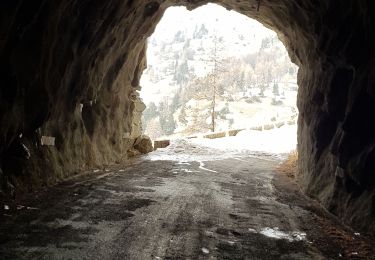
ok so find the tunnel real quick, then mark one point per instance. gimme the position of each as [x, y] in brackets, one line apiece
[70, 74]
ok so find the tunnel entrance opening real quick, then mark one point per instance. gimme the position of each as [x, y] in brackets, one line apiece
[215, 73]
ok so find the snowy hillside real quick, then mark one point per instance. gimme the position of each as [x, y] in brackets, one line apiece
[254, 80]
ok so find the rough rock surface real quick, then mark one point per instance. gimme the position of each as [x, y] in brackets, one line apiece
[144, 144]
[161, 144]
[70, 70]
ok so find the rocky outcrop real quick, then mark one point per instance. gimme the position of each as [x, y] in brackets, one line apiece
[70, 70]
[144, 144]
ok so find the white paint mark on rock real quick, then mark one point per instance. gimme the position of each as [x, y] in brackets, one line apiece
[47, 140]
[205, 250]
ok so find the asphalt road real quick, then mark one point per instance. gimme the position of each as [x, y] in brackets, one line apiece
[206, 206]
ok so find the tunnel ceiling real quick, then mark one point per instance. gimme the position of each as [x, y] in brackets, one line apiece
[70, 70]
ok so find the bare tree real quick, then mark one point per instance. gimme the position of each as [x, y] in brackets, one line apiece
[216, 61]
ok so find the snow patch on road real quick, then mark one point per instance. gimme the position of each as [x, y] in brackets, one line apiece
[184, 152]
[278, 234]
[201, 166]
[187, 171]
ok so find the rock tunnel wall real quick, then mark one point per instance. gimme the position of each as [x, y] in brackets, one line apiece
[70, 70]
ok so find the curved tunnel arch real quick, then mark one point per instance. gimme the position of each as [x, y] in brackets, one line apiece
[70, 69]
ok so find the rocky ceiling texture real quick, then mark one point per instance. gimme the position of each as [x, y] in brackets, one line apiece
[70, 70]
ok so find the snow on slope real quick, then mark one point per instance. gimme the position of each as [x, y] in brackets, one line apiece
[240, 36]
[271, 144]
[279, 140]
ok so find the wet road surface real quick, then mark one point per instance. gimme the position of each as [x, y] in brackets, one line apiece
[188, 202]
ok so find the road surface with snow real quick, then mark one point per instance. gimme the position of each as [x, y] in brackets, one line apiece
[188, 201]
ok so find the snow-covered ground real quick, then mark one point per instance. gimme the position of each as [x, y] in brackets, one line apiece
[276, 143]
